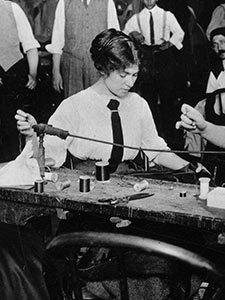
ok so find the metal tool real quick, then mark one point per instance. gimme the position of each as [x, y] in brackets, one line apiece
[126, 199]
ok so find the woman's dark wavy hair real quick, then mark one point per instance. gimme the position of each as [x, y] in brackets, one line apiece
[113, 50]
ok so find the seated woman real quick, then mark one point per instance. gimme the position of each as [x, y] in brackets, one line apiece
[89, 114]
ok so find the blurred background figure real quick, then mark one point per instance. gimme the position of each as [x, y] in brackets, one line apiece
[125, 10]
[75, 24]
[217, 19]
[159, 36]
[18, 72]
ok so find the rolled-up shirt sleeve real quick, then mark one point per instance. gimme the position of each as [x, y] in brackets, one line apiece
[25, 33]
[177, 32]
[112, 18]
[131, 25]
[58, 32]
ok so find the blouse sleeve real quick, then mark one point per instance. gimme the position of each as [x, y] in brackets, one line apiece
[66, 118]
[150, 138]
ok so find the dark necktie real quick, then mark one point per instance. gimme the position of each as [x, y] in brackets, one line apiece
[117, 152]
[152, 35]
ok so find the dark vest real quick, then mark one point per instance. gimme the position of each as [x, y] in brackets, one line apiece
[83, 24]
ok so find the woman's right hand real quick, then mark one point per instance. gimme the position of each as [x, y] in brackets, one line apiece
[25, 122]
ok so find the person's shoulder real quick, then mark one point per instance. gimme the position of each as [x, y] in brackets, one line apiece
[164, 11]
[81, 96]
[136, 98]
[219, 8]
[158, 8]
[14, 5]
[17, 10]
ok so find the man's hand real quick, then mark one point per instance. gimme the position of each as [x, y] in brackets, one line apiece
[57, 81]
[191, 120]
[25, 122]
[31, 84]
[165, 45]
[137, 37]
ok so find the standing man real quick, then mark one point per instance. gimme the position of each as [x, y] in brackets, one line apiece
[76, 23]
[160, 36]
[17, 74]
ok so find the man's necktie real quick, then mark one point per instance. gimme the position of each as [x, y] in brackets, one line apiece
[117, 152]
[152, 35]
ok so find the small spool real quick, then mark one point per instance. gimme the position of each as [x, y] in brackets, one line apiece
[61, 185]
[49, 176]
[39, 186]
[183, 194]
[84, 184]
[140, 186]
[102, 171]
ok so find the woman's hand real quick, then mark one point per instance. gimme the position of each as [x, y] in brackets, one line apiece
[25, 122]
[191, 120]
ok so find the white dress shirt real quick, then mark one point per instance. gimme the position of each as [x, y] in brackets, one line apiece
[166, 26]
[86, 114]
[58, 33]
[24, 29]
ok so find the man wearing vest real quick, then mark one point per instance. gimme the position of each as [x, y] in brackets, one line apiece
[213, 109]
[159, 36]
[76, 23]
[17, 73]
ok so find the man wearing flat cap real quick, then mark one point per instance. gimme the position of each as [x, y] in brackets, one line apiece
[217, 75]
[212, 108]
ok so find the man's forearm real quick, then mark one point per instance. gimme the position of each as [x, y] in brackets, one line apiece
[32, 58]
[56, 62]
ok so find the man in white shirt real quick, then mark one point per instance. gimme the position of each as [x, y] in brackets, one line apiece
[75, 25]
[157, 79]
[17, 74]
[21, 249]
